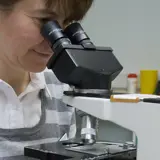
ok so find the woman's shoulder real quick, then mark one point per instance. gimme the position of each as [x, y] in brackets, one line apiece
[50, 77]
[55, 87]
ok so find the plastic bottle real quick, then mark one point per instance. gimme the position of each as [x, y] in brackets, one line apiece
[132, 83]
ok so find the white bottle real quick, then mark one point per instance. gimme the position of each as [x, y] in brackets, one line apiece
[132, 83]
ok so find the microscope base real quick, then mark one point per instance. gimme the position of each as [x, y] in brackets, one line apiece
[77, 151]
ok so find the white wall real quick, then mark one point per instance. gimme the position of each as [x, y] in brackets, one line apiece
[131, 28]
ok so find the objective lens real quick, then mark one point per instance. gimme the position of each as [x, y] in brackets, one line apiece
[88, 130]
[76, 34]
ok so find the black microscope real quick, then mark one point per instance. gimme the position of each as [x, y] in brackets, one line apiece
[89, 70]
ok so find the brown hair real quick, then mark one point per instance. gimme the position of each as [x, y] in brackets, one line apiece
[74, 10]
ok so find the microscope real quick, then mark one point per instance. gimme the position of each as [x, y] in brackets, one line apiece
[89, 71]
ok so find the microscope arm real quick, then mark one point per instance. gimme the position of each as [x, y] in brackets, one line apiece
[142, 118]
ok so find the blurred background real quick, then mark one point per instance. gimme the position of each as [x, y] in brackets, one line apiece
[132, 29]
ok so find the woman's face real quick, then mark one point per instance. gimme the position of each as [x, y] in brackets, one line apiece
[21, 44]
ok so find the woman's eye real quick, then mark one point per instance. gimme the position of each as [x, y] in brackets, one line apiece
[44, 20]
[40, 21]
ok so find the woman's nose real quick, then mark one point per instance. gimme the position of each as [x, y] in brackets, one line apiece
[44, 47]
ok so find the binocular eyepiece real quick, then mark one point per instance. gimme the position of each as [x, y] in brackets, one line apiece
[72, 34]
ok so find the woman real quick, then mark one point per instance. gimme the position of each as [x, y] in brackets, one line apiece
[31, 110]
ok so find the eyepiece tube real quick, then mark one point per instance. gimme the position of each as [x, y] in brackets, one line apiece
[76, 34]
[54, 34]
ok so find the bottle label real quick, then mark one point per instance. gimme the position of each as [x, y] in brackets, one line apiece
[132, 85]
